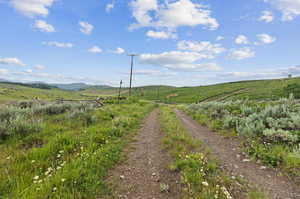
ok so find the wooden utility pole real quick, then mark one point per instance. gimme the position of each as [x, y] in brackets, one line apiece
[132, 57]
[121, 82]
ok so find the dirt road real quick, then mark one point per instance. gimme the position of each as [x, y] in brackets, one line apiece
[145, 175]
[236, 164]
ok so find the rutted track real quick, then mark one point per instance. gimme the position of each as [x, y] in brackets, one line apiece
[146, 167]
[232, 160]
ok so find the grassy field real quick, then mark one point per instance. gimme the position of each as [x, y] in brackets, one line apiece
[64, 151]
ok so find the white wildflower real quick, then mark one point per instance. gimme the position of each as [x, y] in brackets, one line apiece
[205, 184]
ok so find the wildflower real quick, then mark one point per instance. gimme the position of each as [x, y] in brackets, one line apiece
[58, 156]
[54, 189]
[205, 183]
[8, 158]
[63, 179]
[32, 161]
[40, 181]
[36, 177]
[61, 151]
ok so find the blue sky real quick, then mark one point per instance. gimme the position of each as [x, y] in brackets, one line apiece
[179, 42]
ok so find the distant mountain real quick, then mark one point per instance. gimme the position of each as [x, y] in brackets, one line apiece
[79, 86]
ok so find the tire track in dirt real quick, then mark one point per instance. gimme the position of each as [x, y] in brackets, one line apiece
[227, 151]
[146, 168]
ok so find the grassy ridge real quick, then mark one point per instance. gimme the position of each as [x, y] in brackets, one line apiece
[256, 90]
[68, 158]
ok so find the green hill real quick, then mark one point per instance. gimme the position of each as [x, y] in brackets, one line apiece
[255, 90]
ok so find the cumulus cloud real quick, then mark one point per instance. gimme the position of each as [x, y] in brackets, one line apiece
[109, 6]
[179, 61]
[219, 38]
[290, 8]
[240, 54]
[58, 44]
[242, 39]
[161, 34]
[11, 61]
[119, 50]
[95, 49]
[267, 16]
[43, 26]
[32, 8]
[40, 67]
[266, 39]
[171, 14]
[86, 28]
[207, 49]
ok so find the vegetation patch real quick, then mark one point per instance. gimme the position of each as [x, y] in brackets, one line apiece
[69, 157]
[270, 129]
[200, 172]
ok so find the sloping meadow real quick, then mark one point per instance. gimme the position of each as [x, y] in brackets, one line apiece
[63, 150]
[270, 129]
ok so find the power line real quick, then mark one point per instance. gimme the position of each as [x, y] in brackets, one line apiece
[132, 57]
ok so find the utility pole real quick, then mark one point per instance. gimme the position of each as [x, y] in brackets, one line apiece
[132, 57]
[121, 82]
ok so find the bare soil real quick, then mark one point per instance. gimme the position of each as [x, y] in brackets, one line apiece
[145, 174]
[236, 163]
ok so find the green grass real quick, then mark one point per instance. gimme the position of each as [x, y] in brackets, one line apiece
[255, 90]
[200, 172]
[69, 158]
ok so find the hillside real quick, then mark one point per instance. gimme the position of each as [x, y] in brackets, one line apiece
[255, 89]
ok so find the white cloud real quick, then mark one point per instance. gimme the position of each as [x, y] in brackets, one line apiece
[207, 49]
[154, 73]
[141, 9]
[242, 39]
[32, 8]
[118, 51]
[95, 49]
[219, 38]
[44, 26]
[267, 16]
[58, 44]
[11, 61]
[171, 14]
[266, 39]
[40, 67]
[263, 74]
[161, 34]
[178, 60]
[86, 28]
[242, 53]
[3, 71]
[290, 8]
[109, 6]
